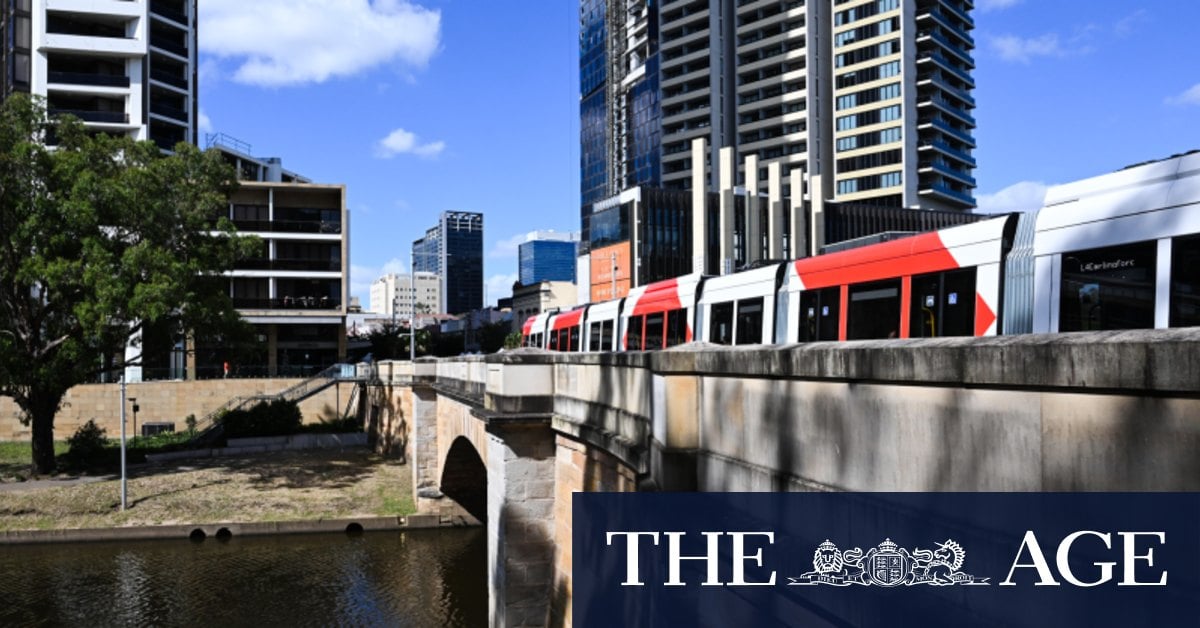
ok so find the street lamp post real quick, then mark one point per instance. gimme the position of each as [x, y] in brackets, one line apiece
[412, 301]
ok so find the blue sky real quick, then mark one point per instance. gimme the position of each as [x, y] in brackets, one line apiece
[428, 106]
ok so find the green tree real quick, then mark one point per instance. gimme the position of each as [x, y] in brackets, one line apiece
[99, 237]
[389, 341]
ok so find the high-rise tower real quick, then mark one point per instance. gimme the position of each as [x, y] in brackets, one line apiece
[454, 250]
[873, 95]
[121, 66]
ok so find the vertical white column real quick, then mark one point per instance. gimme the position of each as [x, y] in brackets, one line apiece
[726, 175]
[753, 228]
[774, 212]
[700, 252]
[800, 239]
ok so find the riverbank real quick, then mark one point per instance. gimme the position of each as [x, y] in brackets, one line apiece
[264, 488]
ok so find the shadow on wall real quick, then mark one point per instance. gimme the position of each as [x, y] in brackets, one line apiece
[387, 424]
[464, 478]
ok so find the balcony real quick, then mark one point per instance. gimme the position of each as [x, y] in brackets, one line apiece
[289, 226]
[86, 78]
[945, 64]
[170, 78]
[163, 42]
[948, 108]
[939, 80]
[948, 150]
[305, 265]
[161, 9]
[945, 21]
[945, 191]
[107, 117]
[964, 57]
[945, 127]
[168, 111]
[946, 171]
[287, 303]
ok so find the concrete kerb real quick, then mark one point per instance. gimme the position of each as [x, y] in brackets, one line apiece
[259, 445]
[201, 531]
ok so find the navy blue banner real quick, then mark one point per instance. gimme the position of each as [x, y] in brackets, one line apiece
[886, 559]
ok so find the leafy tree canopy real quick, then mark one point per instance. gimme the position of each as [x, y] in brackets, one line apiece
[100, 236]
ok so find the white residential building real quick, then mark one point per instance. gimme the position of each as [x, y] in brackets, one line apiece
[393, 294]
[121, 66]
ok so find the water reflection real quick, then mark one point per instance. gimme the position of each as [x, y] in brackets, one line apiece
[418, 578]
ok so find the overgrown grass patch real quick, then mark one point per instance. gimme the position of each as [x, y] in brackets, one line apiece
[284, 486]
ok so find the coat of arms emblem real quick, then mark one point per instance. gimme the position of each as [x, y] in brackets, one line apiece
[888, 565]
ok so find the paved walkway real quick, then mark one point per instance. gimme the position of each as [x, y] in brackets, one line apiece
[32, 485]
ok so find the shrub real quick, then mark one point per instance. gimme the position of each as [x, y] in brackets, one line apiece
[86, 446]
[190, 422]
[265, 418]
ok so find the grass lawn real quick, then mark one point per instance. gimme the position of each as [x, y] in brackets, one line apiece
[16, 458]
[268, 487]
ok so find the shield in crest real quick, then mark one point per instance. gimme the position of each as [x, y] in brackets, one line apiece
[888, 568]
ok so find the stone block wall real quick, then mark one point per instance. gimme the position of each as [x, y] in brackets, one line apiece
[170, 401]
[578, 467]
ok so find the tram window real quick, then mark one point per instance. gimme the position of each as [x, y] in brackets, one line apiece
[633, 339]
[676, 327]
[1185, 282]
[574, 332]
[819, 314]
[654, 330]
[874, 310]
[606, 336]
[943, 304]
[722, 323]
[1109, 288]
[594, 337]
[553, 341]
[750, 321]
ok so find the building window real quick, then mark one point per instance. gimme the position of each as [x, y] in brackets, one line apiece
[1108, 288]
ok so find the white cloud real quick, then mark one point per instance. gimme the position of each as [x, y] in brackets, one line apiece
[507, 248]
[294, 42]
[401, 141]
[995, 5]
[1021, 196]
[1191, 96]
[500, 287]
[204, 123]
[1024, 49]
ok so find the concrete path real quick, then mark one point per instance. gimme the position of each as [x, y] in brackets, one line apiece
[31, 485]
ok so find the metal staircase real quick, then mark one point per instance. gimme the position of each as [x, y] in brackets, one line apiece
[208, 429]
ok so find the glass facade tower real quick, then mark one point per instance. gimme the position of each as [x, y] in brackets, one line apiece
[454, 250]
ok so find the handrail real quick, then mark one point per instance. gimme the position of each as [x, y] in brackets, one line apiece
[297, 392]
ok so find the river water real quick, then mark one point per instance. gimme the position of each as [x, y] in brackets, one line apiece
[416, 578]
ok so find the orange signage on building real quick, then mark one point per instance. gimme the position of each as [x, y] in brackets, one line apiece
[604, 261]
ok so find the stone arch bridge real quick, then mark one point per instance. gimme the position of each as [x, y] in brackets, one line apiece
[506, 439]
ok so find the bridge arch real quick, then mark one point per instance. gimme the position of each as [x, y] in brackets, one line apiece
[464, 477]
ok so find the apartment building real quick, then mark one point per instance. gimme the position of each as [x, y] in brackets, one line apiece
[397, 295]
[769, 111]
[296, 291]
[121, 66]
